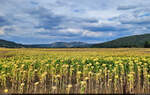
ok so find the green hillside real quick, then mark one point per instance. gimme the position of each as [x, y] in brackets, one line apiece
[130, 41]
[9, 44]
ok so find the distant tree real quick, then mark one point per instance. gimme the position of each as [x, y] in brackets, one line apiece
[147, 44]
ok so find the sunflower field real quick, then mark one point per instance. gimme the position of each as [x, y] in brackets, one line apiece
[70, 71]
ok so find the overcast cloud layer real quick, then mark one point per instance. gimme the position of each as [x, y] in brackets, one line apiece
[46, 21]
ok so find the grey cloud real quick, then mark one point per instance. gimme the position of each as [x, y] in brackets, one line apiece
[59, 34]
[107, 28]
[3, 21]
[127, 7]
[45, 18]
[137, 20]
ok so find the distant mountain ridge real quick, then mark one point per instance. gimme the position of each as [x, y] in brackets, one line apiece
[124, 42]
[62, 45]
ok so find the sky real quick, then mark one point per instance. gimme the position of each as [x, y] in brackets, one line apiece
[92, 21]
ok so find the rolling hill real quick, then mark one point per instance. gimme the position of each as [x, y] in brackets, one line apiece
[10, 44]
[130, 41]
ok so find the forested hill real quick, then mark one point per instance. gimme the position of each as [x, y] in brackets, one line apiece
[130, 41]
[10, 44]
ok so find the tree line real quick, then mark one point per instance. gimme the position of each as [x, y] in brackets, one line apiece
[147, 44]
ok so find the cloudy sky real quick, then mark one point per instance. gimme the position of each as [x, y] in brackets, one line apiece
[93, 21]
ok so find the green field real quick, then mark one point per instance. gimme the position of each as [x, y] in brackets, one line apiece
[75, 70]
